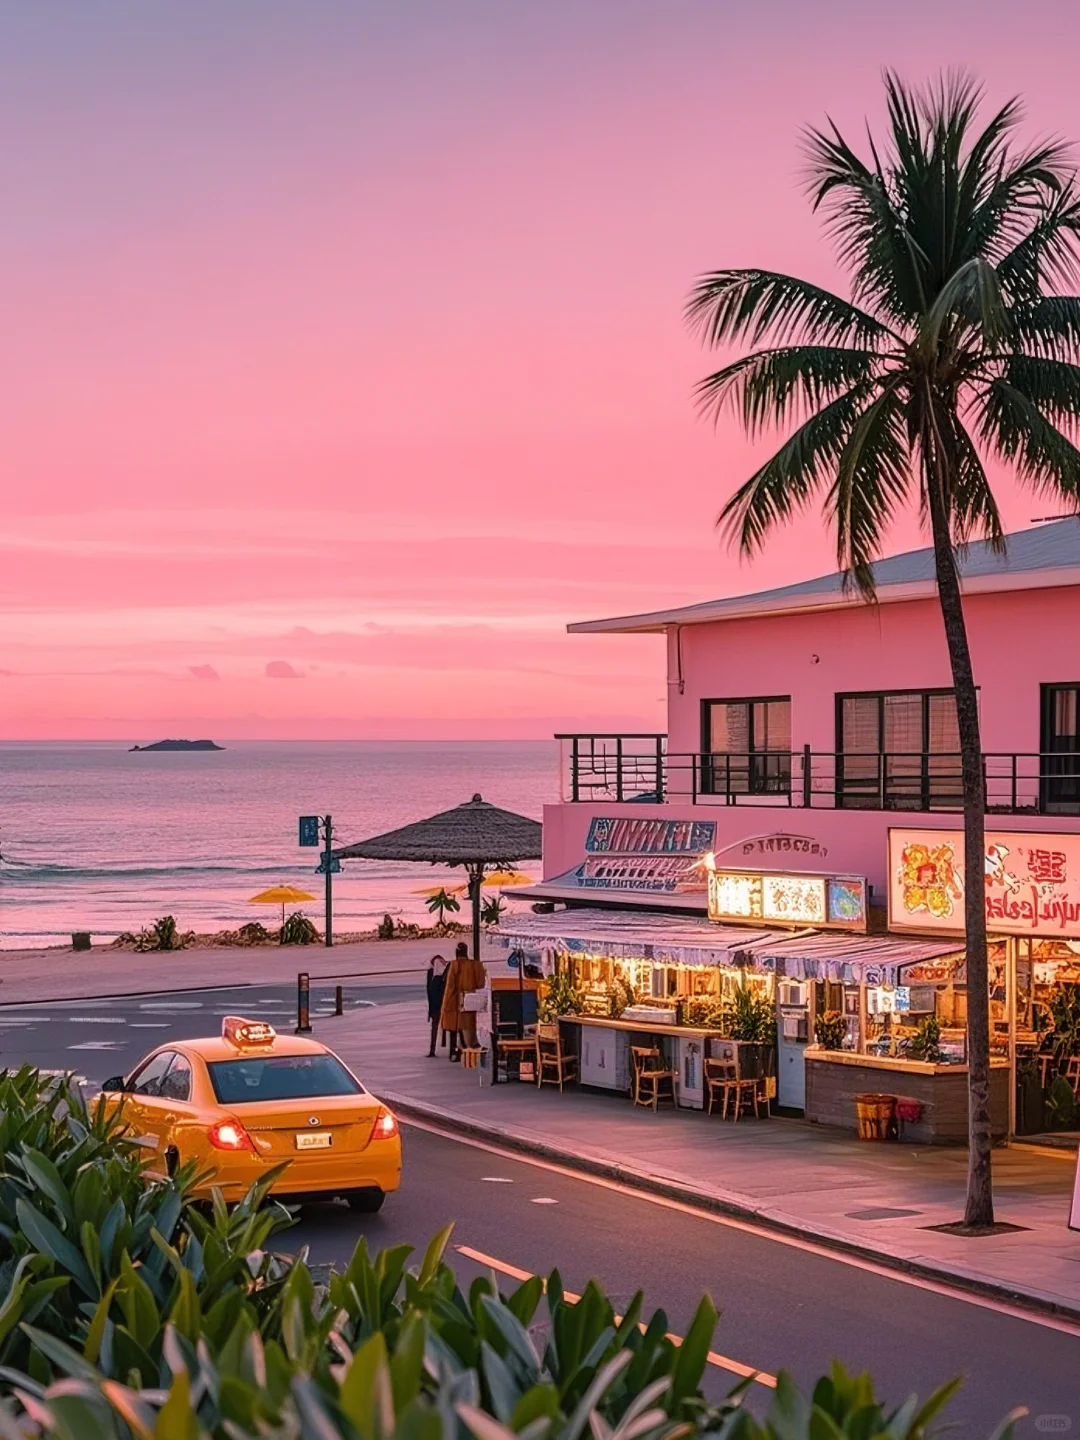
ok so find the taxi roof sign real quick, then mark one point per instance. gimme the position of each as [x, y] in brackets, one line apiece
[241, 1032]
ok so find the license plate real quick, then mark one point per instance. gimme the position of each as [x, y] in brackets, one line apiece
[314, 1140]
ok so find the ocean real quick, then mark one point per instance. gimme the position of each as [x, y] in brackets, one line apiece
[96, 838]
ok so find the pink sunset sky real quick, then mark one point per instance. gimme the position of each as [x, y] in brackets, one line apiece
[342, 348]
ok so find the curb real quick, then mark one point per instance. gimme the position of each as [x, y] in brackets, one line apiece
[454, 1123]
[317, 981]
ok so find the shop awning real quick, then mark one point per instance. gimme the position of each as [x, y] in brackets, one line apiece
[576, 887]
[675, 939]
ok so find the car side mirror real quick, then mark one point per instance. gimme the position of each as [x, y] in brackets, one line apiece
[116, 1082]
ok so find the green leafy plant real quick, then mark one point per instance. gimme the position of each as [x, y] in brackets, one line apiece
[622, 995]
[560, 998]
[254, 933]
[441, 904]
[492, 910]
[163, 935]
[1061, 1104]
[386, 928]
[925, 1044]
[298, 930]
[830, 1029]
[754, 1017]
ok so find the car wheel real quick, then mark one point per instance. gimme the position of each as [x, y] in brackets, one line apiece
[366, 1202]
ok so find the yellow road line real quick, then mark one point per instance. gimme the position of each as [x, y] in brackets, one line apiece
[722, 1362]
[762, 1232]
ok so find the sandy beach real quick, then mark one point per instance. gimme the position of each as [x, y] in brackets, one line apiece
[65, 974]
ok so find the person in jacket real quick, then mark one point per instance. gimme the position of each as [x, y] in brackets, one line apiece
[436, 987]
[462, 977]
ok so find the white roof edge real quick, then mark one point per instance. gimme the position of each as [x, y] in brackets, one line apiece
[743, 607]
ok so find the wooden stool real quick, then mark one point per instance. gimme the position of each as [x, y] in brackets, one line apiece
[1072, 1074]
[470, 1057]
[719, 1077]
[650, 1074]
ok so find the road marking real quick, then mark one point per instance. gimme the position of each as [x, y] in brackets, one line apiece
[722, 1362]
[96, 1045]
[97, 1020]
[762, 1232]
[173, 1005]
[497, 1179]
[149, 1025]
[543, 1200]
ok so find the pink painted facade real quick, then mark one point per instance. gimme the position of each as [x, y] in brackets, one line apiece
[1022, 638]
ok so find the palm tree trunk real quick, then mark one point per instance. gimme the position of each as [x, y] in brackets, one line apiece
[979, 1209]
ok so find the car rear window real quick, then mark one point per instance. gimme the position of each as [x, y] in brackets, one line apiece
[280, 1077]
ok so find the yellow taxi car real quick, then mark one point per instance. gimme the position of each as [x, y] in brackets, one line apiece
[241, 1103]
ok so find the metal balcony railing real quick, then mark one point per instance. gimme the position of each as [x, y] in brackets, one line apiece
[638, 767]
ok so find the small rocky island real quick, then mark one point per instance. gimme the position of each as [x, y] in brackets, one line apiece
[180, 745]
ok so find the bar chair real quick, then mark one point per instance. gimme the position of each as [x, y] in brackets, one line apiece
[553, 1065]
[1072, 1073]
[651, 1075]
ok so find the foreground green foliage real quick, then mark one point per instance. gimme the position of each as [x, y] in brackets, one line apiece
[128, 1312]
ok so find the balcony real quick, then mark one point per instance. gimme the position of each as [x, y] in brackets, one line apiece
[625, 768]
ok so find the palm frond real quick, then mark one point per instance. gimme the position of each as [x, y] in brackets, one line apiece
[788, 481]
[750, 304]
[973, 293]
[1047, 326]
[1052, 386]
[975, 514]
[773, 387]
[1012, 425]
[873, 477]
[1046, 252]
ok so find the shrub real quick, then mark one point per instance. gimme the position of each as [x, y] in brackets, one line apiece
[163, 935]
[386, 928]
[754, 1019]
[830, 1029]
[254, 933]
[298, 930]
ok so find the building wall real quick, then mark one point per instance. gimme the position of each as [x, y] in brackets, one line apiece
[849, 842]
[1019, 640]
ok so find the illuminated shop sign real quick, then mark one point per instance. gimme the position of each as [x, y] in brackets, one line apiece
[835, 902]
[1031, 882]
[610, 835]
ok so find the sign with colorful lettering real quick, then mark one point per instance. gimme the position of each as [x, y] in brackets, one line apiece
[828, 902]
[779, 843]
[1031, 882]
[611, 835]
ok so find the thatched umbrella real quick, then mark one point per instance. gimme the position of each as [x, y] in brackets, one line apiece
[475, 835]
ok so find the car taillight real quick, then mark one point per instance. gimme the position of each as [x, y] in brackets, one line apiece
[385, 1126]
[229, 1135]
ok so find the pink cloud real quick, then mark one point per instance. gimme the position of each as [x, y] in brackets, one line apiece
[282, 670]
[204, 672]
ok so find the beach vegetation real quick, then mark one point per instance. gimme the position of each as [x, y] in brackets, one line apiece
[441, 904]
[492, 910]
[386, 928]
[298, 930]
[128, 1313]
[163, 934]
[956, 345]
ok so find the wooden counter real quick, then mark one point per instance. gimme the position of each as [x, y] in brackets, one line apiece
[684, 1032]
[835, 1077]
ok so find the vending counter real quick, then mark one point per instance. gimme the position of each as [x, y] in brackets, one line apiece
[835, 1077]
[603, 1049]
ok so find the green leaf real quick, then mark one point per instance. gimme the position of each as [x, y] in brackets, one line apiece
[47, 1178]
[46, 1238]
[691, 1356]
[366, 1394]
[92, 1344]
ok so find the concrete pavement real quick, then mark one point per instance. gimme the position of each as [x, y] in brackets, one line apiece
[876, 1200]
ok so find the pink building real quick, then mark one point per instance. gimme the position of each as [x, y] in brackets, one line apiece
[806, 712]
[806, 799]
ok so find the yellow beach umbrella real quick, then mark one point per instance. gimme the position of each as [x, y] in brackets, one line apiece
[505, 879]
[281, 895]
[438, 890]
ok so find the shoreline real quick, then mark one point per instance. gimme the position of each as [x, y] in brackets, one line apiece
[230, 940]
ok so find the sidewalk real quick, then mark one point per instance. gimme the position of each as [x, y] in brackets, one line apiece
[873, 1199]
[37, 976]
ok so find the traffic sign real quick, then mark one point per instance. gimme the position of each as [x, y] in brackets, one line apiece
[335, 866]
[309, 829]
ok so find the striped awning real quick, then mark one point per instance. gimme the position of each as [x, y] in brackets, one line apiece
[675, 939]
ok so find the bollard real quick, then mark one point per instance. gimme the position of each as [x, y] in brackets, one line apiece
[303, 1004]
[339, 1000]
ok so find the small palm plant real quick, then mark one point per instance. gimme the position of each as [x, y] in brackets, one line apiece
[956, 345]
[441, 904]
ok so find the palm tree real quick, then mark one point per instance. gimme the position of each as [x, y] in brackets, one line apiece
[954, 346]
[440, 902]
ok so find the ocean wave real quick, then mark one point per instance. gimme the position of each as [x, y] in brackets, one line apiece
[26, 872]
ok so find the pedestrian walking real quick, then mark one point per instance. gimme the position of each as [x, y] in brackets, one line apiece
[436, 988]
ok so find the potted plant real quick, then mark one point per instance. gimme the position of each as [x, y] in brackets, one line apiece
[753, 1026]
[830, 1029]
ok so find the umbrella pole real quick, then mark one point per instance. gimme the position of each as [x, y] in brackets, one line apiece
[476, 876]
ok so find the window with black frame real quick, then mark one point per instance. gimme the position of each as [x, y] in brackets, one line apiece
[747, 746]
[1059, 763]
[898, 750]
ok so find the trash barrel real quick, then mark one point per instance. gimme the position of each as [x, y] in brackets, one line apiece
[80, 940]
[876, 1115]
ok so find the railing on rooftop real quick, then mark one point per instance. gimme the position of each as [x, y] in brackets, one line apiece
[637, 767]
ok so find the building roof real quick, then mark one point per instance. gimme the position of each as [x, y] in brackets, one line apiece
[675, 939]
[1038, 558]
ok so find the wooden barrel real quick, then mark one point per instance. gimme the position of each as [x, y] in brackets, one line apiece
[876, 1115]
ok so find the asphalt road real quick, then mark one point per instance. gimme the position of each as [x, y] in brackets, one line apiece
[783, 1306]
[100, 1038]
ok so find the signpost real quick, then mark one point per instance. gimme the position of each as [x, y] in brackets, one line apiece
[329, 865]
